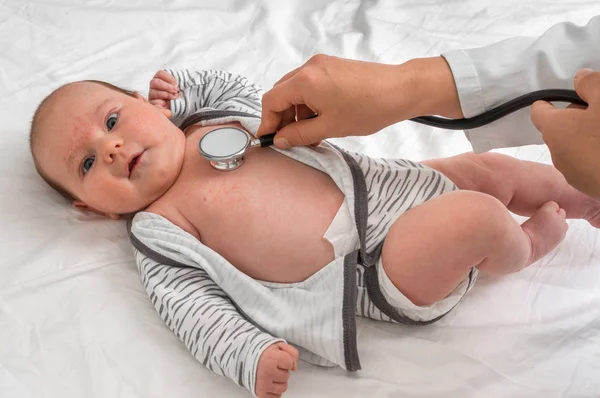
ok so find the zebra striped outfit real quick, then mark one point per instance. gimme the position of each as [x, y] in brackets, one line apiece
[227, 319]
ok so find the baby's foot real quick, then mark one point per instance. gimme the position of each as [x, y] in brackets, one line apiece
[546, 228]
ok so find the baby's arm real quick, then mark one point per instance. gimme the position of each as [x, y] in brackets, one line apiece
[210, 326]
[204, 90]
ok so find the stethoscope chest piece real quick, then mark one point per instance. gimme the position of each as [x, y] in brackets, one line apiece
[224, 147]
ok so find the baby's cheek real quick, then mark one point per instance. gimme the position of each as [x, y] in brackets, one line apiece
[110, 196]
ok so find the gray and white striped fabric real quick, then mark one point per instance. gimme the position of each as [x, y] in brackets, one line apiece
[203, 317]
[213, 90]
[392, 186]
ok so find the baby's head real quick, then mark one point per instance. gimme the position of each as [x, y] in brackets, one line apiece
[105, 148]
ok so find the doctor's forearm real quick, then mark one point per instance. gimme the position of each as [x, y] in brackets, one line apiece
[433, 88]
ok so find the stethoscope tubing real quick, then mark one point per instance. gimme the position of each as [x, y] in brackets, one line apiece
[550, 95]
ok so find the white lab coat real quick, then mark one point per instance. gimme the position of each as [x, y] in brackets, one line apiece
[488, 76]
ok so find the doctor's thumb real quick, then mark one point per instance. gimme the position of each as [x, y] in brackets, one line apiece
[542, 115]
[300, 133]
[587, 85]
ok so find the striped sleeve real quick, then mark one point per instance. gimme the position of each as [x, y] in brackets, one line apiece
[213, 89]
[205, 319]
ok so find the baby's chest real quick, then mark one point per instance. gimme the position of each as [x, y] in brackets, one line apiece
[268, 190]
[222, 198]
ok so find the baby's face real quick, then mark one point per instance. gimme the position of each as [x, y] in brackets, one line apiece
[115, 153]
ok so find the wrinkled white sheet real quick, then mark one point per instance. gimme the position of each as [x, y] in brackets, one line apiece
[74, 320]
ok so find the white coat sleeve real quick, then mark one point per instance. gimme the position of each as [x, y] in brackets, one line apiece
[488, 76]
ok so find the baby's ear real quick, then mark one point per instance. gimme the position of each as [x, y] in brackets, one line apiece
[79, 205]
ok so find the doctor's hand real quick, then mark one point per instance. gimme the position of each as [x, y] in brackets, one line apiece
[573, 134]
[354, 98]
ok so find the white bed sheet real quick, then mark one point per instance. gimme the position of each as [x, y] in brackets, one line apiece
[74, 319]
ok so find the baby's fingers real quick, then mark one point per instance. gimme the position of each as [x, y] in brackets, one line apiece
[161, 85]
[159, 94]
[290, 350]
[285, 362]
[278, 388]
[280, 376]
[166, 76]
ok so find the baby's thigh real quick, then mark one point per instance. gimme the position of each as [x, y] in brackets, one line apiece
[430, 249]
[490, 173]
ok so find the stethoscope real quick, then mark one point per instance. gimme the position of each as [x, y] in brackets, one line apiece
[224, 147]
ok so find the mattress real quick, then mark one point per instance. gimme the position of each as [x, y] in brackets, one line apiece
[74, 318]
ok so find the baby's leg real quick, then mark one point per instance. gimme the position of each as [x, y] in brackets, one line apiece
[521, 185]
[431, 248]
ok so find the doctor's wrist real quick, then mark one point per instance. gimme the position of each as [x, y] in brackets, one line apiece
[433, 90]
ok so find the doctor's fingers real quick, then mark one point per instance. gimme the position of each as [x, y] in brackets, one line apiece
[551, 121]
[276, 104]
[316, 61]
[587, 85]
[288, 116]
[293, 115]
[303, 112]
[563, 131]
[288, 75]
[305, 132]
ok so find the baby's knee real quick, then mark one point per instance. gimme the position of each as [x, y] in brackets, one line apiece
[478, 205]
[483, 217]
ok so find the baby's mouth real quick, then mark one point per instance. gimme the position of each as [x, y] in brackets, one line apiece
[134, 162]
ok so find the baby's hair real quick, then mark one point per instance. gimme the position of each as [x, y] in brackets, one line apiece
[35, 122]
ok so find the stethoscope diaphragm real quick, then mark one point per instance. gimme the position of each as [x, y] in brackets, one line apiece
[224, 147]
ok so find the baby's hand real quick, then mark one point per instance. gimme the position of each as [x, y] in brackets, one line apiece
[274, 368]
[163, 88]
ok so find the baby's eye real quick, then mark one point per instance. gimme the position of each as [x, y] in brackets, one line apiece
[87, 164]
[111, 121]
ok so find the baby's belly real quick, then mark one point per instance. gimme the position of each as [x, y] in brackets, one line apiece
[267, 218]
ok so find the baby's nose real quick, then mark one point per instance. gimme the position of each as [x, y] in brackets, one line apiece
[112, 147]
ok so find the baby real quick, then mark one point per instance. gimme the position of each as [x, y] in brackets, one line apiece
[295, 243]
